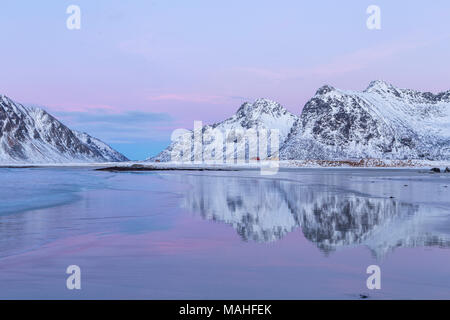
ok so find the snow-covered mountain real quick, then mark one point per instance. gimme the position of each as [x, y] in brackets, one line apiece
[263, 114]
[31, 135]
[100, 147]
[380, 122]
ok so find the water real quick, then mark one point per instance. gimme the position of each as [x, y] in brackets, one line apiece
[307, 233]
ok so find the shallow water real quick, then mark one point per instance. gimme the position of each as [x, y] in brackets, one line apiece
[306, 233]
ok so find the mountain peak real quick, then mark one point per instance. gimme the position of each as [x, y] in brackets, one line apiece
[260, 106]
[324, 89]
[379, 85]
[262, 114]
[10, 106]
[4, 99]
[382, 122]
[264, 101]
[31, 135]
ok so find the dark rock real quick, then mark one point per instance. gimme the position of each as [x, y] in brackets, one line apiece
[447, 170]
[435, 170]
[151, 168]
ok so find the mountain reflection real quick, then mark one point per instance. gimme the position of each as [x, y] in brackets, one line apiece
[265, 210]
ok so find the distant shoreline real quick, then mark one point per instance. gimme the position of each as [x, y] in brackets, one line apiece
[256, 165]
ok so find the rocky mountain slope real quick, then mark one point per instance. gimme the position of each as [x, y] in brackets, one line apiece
[263, 114]
[382, 122]
[31, 135]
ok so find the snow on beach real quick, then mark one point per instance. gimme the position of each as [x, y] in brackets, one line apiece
[254, 165]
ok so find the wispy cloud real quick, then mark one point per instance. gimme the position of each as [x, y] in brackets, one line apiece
[188, 97]
[68, 108]
[123, 118]
[344, 64]
[123, 127]
[151, 47]
[361, 59]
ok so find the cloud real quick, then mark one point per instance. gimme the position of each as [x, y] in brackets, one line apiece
[199, 98]
[123, 127]
[130, 118]
[77, 108]
[152, 48]
[341, 65]
[361, 59]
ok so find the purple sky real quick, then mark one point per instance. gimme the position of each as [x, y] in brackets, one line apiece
[139, 69]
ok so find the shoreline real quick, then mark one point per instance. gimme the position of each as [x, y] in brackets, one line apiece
[283, 164]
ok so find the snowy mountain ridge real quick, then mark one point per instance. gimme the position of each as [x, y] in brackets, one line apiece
[381, 122]
[31, 135]
[262, 114]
